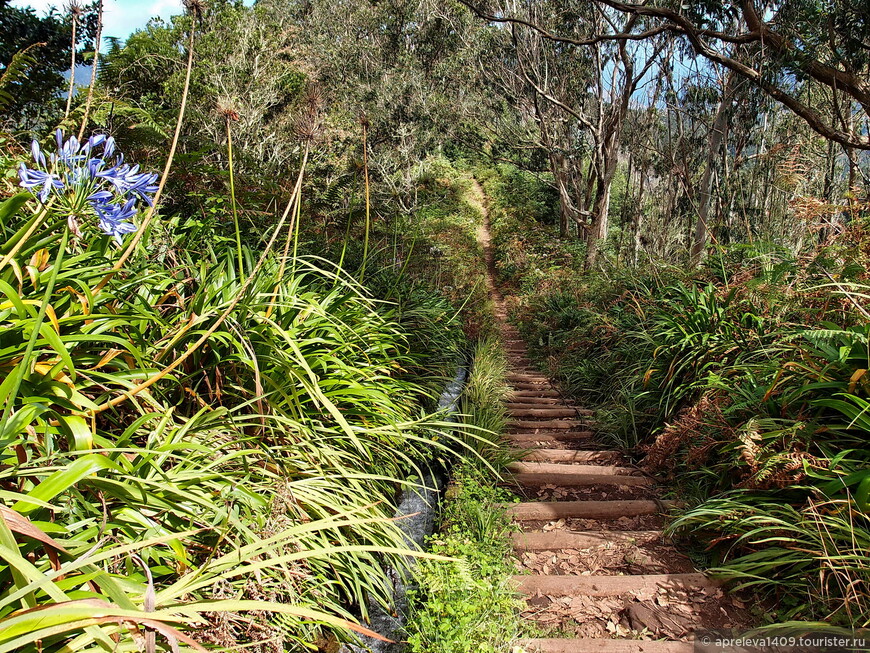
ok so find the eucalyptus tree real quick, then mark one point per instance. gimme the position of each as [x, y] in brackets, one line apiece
[786, 45]
[527, 81]
[809, 57]
[620, 59]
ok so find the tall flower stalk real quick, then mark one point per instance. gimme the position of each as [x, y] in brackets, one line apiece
[74, 11]
[305, 128]
[93, 83]
[295, 206]
[195, 12]
[230, 116]
[364, 121]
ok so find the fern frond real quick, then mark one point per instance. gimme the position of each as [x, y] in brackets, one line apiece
[16, 72]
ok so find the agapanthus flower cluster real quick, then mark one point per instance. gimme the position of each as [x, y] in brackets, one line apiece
[90, 179]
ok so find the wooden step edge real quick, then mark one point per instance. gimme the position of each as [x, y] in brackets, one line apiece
[525, 432]
[546, 403]
[518, 413]
[557, 540]
[569, 479]
[600, 585]
[549, 510]
[522, 386]
[528, 378]
[547, 436]
[570, 456]
[519, 393]
[588, 645]
[532, 467]
[547, 424]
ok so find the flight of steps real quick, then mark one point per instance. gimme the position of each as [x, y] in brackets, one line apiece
[604, 506]
[587, 514]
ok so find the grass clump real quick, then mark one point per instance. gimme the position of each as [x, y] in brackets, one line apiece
[486, 390]
[468, 605]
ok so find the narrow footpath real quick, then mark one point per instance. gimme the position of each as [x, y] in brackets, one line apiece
[597, 573]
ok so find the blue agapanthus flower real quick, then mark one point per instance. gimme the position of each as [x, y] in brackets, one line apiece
[90, 179]
[114, 219]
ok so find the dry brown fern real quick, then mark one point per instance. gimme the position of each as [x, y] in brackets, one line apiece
[693, 427]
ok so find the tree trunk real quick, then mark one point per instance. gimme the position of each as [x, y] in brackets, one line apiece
[584, 199]
[827, 190]
[624, 210]
[714, 143]
[598, 231]
[638, 220]
[566, 206]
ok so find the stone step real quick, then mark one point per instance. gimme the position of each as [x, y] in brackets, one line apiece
[597, 585]
[603, 646]
[550, 510]
[556, 540]
[571, 456]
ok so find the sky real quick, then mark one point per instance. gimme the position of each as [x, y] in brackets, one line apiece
[120, 17]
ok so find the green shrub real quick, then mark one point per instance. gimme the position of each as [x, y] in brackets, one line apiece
[257, 476]
[469, 605]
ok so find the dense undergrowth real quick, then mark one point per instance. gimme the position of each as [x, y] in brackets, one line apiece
[210, 429]
[211, 435]
[743, 382]
[469, 605]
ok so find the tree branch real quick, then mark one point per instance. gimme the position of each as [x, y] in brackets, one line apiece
[758, 32]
